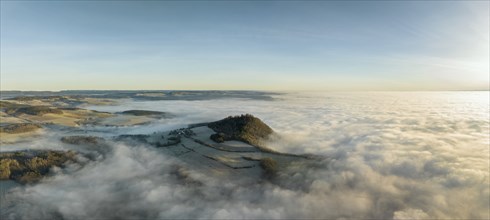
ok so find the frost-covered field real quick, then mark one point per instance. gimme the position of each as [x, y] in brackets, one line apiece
[402, 155]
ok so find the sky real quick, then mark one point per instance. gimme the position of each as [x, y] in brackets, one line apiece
[245, 45]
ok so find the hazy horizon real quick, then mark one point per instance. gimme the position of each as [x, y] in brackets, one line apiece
[403, 45]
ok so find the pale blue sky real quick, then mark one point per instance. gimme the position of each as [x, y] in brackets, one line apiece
[331, 45]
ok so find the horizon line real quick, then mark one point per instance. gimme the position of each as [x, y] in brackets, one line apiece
[256, 90]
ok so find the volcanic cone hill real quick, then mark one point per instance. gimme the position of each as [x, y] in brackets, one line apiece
[246, 128]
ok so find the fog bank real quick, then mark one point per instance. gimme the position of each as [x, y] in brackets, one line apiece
[400, 155]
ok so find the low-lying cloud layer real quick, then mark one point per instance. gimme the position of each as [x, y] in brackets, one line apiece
[387, 155]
